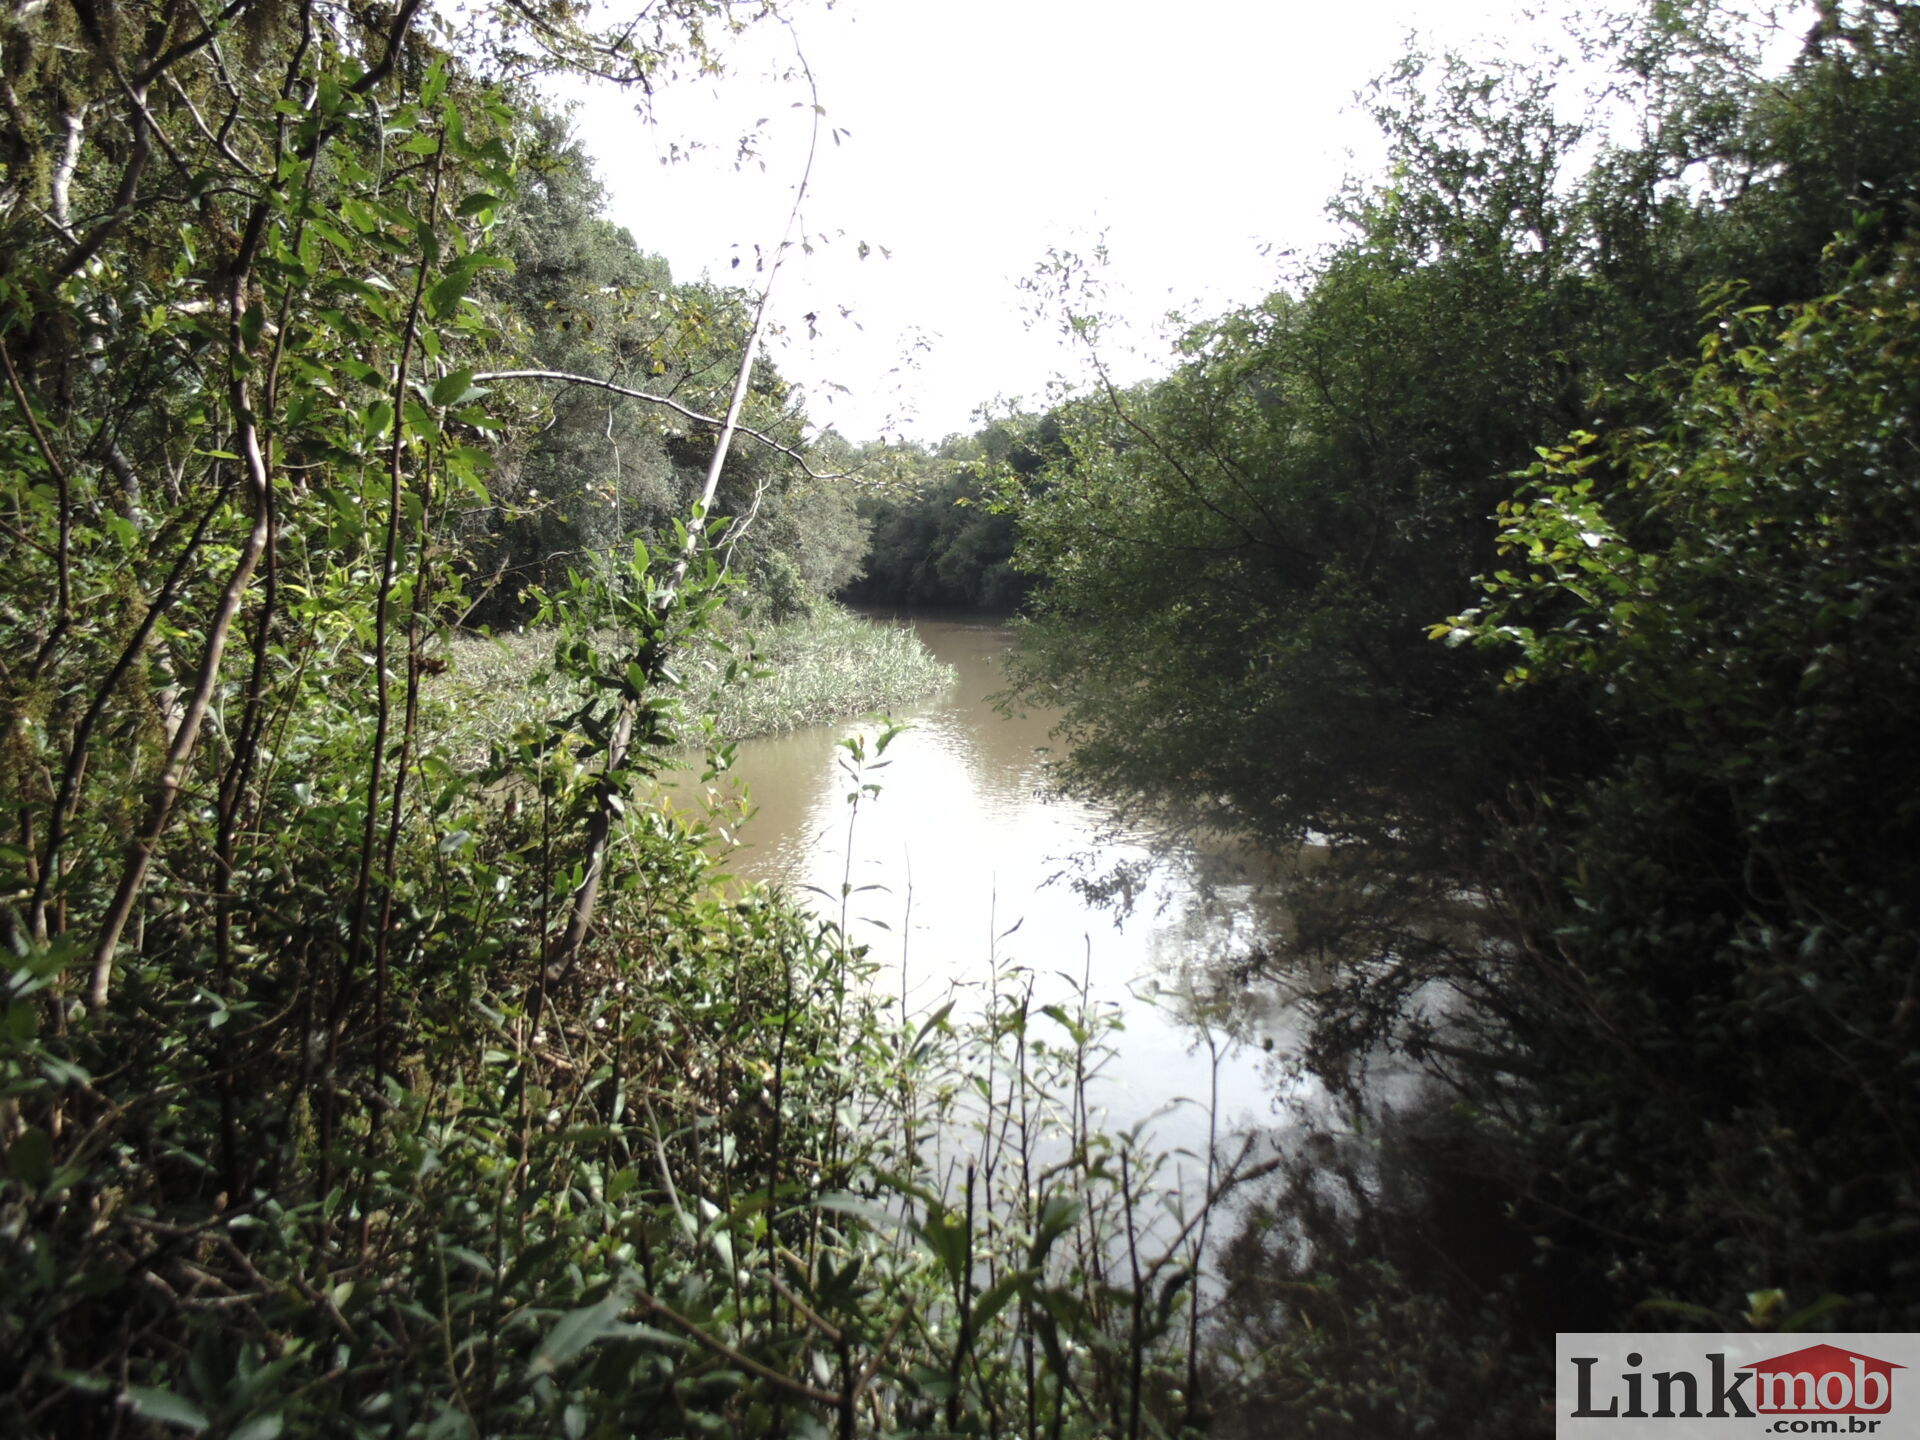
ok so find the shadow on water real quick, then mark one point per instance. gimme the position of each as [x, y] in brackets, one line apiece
[958, 876]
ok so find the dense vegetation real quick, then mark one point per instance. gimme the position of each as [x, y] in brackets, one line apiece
[353, 1086]
[938, 541]
[826, 664]
[1544, 561]
[1541, 569]
[586, 470]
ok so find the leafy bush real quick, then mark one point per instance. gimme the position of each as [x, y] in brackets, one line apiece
[1733, 595]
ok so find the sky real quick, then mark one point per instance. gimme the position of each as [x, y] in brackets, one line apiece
[974, 140]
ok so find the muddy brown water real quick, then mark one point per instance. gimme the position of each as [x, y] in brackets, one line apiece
[962, 863]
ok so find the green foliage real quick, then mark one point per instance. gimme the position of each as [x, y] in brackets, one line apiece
[580, 472]
[1259, 543]
[591, 470]
[350, 1085]
[1255, 545]
[586, 472]
[824, 665]
[809, 543]
[1641, 913]
[939, 541]
[1733, 596]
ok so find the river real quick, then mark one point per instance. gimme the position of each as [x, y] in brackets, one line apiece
[960, 863]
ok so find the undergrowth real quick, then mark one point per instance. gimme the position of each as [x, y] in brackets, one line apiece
[696, 1177]
[371, 1063]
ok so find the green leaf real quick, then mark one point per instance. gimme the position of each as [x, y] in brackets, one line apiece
[166, 1407]
[946, 1237]
[455, 388]
[576, 1330]
[375, 419]
[448, 291]
[1057, 1216]
[932, 1022]
[31, 1158]
[359, 214]
[995, 1299]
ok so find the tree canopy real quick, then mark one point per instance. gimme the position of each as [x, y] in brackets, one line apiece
[1539, 571]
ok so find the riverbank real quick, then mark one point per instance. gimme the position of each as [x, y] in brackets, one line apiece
[815, 668]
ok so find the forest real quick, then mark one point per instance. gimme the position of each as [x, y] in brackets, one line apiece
[1533, 577]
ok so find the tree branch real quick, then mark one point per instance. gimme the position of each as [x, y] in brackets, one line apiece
[168, 58]
[395, 34]
[180, 752]
[59, 473]
[727, 1352]
[566, 377]
[600, 826]
[116, 216]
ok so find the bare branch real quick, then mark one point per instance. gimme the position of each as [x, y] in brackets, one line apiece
[61, 185]
[600, 826]
[727, 1352]
[565, 377]
[89, 245]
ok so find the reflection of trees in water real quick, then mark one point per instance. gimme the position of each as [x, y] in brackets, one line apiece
[1380, 1286]
[1382, 1275]
[1347, 983]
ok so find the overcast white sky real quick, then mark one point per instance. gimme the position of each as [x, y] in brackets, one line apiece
[976, 136]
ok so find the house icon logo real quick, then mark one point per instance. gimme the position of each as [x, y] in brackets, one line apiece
[1822, 1380]
[1712, 1385]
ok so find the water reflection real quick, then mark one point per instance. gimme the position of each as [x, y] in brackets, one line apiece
[961, 864]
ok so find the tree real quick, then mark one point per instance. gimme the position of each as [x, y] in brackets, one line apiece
[1732, 594]
[940, 539]
[1632, 876]
[603, 466]
[1257, 545]
[240, 319]
[1253, 546]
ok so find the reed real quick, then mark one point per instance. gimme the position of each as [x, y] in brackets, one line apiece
[824, 666]
[821, 666]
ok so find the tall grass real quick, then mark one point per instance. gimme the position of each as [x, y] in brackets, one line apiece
[817, 667]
